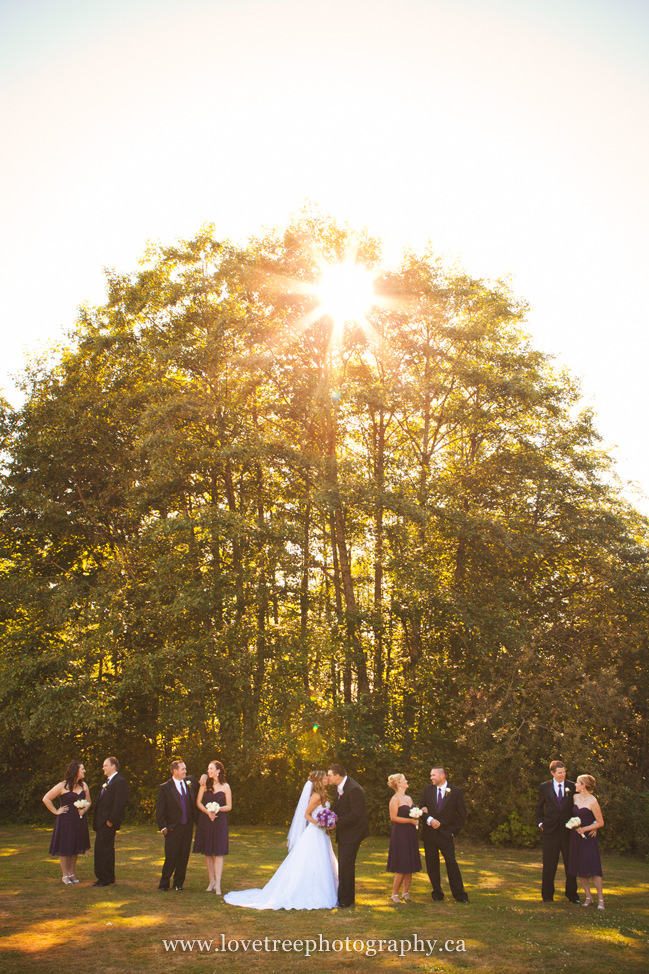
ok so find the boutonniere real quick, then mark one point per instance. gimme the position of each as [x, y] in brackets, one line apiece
[567, 791]
[448, 791]
[105, 785]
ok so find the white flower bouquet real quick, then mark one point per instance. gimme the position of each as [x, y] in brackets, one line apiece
[82, 803]
[575, 823]
[415, 813]
[213, 806]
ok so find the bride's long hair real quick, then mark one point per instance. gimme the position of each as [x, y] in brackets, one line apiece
[317, 779]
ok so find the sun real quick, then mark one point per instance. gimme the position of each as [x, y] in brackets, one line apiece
[346, 292]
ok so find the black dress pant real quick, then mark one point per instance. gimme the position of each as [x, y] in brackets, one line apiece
[178, 844]
[347, 852]
[556, 843]
[105, 853]
[434, 843]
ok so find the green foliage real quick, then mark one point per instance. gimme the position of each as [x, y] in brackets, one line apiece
[221, 528]
[516, 831]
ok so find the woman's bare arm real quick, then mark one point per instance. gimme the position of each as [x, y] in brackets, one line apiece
[228, 797]
[313, 801]
[599, 819]
[54, 793]
[394, 808]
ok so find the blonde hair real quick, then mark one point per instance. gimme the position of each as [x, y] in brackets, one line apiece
[395, 780]
[317, 778]
[587, 781]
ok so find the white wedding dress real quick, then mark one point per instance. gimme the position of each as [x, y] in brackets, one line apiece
[308, 877]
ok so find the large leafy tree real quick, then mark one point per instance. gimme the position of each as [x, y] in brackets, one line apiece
[224, 524]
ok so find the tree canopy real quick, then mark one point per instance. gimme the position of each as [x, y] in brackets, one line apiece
[230, 529]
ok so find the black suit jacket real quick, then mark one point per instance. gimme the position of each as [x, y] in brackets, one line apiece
[547, 809]
[110, 803]
[451, 813]
[350, 807]
[169, 807]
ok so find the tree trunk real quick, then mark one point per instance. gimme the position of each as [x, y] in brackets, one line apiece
[379, 474]
[304, 592]
[345, 567]
[347, 667]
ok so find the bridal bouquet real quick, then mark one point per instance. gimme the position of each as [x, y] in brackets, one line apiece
[415, 813]
[575, 823]
[82, 803]
[212, 806]
[326, 819]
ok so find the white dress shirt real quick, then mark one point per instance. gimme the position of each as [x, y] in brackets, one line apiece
[431, 818]
[555, 785]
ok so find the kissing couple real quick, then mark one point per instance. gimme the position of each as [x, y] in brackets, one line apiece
[311, 878]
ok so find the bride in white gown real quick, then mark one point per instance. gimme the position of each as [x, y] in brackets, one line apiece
[308, 877]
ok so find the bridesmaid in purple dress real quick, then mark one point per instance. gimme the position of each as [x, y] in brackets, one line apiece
[583, 852]
[70, 837]
[403, 854]
[212, 829]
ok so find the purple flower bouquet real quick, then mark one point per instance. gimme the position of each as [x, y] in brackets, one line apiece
[326, 819]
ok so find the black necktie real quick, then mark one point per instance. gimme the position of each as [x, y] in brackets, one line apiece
[439, 797]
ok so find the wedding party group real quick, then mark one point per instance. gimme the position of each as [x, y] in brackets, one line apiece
[332, 803]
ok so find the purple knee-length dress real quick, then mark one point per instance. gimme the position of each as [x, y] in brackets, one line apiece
[403, 853]
[212, 837]
[71, 836]
[583, 854]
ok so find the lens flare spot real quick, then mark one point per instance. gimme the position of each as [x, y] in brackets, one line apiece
[346, 291]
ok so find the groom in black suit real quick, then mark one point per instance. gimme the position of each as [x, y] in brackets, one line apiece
[553, 809]
[445, 817]
[351, 828]
[106, 820]
[175, 812]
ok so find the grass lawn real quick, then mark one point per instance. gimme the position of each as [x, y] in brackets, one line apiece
[48, 927]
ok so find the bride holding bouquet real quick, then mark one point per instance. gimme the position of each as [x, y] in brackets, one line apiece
[308, 877]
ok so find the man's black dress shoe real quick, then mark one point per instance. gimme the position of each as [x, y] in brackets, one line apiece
[576, 900]
[438, 897]
[99, 883]
[178, 889]
[545, 900]
[465, 900]
[163, 889]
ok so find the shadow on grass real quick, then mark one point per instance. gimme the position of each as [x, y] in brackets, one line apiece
[505, 929]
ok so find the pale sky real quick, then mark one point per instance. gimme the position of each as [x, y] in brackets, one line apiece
[512, 134]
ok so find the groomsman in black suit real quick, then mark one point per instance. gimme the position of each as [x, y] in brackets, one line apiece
[107, 817]
[351, 828]
[553, 809]
[175, 812]
[445, 817]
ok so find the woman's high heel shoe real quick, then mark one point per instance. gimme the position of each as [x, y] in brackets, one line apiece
[395, 898]
[588, 901]
[600, 904]
[66, 880]
[406, 897]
